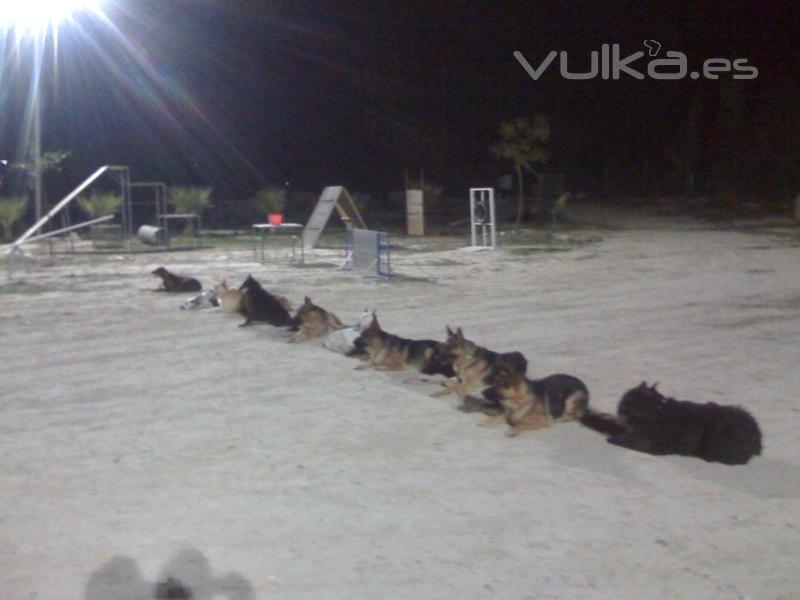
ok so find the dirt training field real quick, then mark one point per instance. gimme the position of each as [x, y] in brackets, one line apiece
[139, 441]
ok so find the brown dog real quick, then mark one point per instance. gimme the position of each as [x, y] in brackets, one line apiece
[312, 321]
[176, 283]
[475, 366]
[229, 299]
[386, 351]
[536, 403]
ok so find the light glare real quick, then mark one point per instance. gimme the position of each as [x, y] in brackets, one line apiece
[34, 17]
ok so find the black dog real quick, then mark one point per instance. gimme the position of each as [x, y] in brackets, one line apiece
[259, 305]
[649, 422]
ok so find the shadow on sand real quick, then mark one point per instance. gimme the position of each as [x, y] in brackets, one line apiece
[186, 576]
[761, 477]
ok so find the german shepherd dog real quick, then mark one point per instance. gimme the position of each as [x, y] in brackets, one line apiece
[649, 422]
[386, 351]
[312, 321]
[229, 299]
[536, 403]
[176, 283]
[260, 305]
[475, 368]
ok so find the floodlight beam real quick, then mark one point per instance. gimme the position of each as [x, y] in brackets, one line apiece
[35, 17]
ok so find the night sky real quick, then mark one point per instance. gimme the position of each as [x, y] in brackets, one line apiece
[239, 94]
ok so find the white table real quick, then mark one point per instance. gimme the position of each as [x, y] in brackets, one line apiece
[193, 218]
[262, 231]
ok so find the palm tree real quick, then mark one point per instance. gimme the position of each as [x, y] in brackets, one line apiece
[190, 199]
[100, 205]
[270, 200]
[522, 143]
[11, 209]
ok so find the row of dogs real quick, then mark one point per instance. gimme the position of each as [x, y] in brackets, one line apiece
[497, 385]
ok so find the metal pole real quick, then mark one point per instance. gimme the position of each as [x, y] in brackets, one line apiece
[484, 195]
[37, 127]
[64, 201]
[491, 217]
[472, 195]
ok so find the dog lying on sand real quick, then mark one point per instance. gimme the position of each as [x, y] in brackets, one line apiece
[259, 305]
[536, 403]
[312, 321]
[229, 299]
[648, 421]
[386, 351]
[475, 367]
[207, 299]
[171, 282]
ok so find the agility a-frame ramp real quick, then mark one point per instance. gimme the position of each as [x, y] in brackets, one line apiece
[332, 196]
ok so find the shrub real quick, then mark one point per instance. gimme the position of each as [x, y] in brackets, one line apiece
[270, 200]
[11, 209]
[100, 205]
[190, 199]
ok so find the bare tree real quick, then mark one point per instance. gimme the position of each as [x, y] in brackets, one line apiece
[522, 143]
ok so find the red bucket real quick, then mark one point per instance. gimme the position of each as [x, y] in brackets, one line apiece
[275, 219]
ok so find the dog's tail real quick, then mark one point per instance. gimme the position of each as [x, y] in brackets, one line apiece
[604, 423]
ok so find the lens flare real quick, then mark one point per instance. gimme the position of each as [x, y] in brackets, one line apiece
[35, 17]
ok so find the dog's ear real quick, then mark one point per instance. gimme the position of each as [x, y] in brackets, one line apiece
[653, 387]
[643, 385]
[308, 300]
[374, 325]
[450, 332]
[460, 334]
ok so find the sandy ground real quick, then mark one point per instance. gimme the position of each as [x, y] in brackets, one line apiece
[139, 441]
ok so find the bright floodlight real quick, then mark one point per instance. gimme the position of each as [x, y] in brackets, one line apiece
[34, 17]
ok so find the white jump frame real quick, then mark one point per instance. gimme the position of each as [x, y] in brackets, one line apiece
[478, 198]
